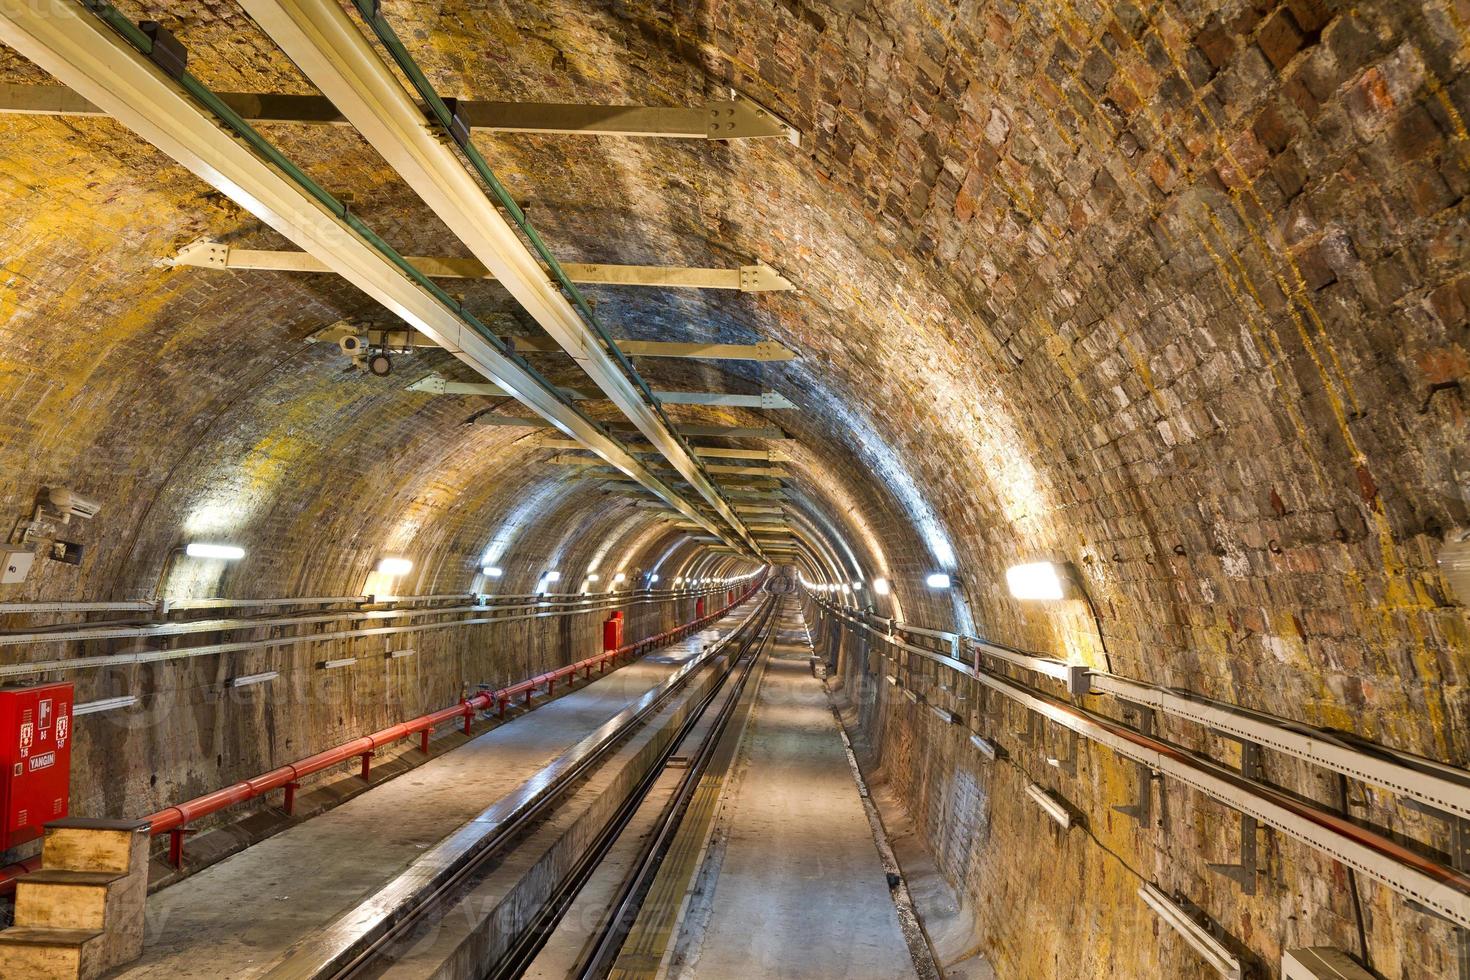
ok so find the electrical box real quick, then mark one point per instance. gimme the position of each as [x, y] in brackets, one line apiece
[35, 753]
[15, 565]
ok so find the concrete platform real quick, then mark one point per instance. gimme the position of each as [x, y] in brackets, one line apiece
[793, 886]
[238, 917]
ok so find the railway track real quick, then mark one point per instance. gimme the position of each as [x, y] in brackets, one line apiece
[503, 881]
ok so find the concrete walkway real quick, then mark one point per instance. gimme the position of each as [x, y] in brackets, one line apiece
[800, 888]
[236, 918]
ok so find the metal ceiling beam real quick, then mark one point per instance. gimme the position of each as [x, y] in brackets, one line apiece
[333, 53]
[707, 431]
[708, 452]
[740, 481]
[401, 339]
[94, 58]
[717, 119]
[562, 459]
[435, 384]
[205, 253]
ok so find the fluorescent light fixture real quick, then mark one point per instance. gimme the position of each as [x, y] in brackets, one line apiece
[938, 580]
[224, 552]
[620, 577]
[985, 747]
[653, 578]
[552, 576]
[1214, 952]
[845, 588]
[593, 577]
[399, 654]
[395, 566]
[106, 704]
[335, 664]
[491, 571]
[1038, 580]
[245, 680]
[1050, 806]
[880, 586]
[857, 585]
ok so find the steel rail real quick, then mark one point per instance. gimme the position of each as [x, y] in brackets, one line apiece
[1442, 889]
[353, 940]
[109, 61]
[325, 45]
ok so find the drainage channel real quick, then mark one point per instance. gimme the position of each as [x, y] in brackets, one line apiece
[472, 899]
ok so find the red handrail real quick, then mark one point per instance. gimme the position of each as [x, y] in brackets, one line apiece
[174, 820]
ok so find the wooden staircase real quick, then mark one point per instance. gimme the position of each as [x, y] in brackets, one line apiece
[82, 913]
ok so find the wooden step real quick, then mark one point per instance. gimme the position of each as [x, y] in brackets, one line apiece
[82, 844]
[59, 899]
[50, 954]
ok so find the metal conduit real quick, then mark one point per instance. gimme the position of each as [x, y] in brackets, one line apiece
[1439, 888]
[175, 819]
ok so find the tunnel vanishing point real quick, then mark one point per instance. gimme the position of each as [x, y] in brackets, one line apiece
[740, 488]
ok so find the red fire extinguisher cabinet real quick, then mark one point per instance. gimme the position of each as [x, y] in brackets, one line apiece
[35, 752]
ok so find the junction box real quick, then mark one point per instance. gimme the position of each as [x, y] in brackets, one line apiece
[35, 753]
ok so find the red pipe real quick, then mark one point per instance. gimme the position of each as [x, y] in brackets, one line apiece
[175, 819]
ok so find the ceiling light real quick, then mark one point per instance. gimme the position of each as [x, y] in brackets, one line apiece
[490, 571]
[620, 577]
[226, 552]
[880, 586]
[938, 580]
[395, 566]
[651, 578]
[552, 576]
[1038, 580]
[592, 577]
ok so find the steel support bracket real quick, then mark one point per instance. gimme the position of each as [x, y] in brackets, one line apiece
[761, 278]
[738, 118]
[1244, 873]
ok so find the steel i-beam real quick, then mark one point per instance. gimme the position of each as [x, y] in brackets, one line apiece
[718, 119]
[318, 36]
[205, 253]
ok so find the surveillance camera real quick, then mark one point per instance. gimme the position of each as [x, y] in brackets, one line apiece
[68, 504]
[352, 344]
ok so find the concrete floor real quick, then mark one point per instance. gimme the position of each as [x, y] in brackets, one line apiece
[236, 918]
[800, 890]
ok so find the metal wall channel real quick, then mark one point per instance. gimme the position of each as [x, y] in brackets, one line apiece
[352, 939]
[1439, 888]
[80, 50]
[183, 653]
[323, 42]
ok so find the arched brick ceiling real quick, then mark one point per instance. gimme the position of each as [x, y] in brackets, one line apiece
[1176, 292]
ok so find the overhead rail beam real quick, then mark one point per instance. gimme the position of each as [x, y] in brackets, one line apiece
[206, 253]
[330, 50]
[435, 384]
[103, 56]
[718, 119]
[405, 338]
[562, 459]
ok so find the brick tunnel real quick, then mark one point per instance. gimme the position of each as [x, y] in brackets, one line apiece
[1051, 413]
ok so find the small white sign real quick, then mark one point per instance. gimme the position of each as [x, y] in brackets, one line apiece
[43, 761]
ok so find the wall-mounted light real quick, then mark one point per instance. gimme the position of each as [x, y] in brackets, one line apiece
[620, 577]
[881, 586]
[1036, 580]
[224, 552]
[1214, 952]
[857, 585]
[246, 680]
[106, 704]
[491, 571]
[653, 578]
[552, 576]
[337, 664]
[395, 566]
[1050, 806]
[937, 580]
[593, 577]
